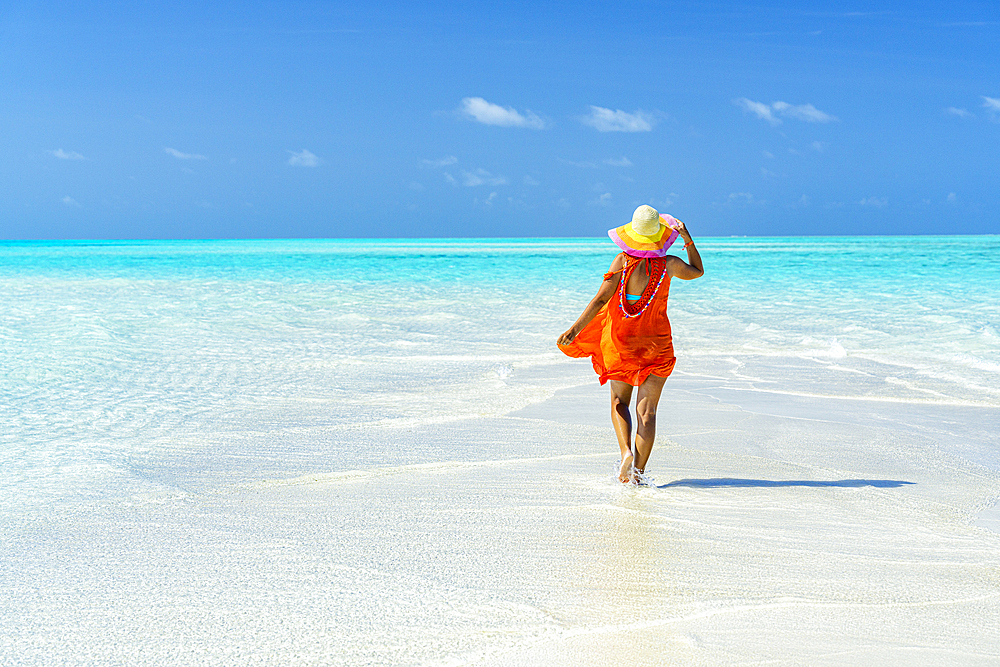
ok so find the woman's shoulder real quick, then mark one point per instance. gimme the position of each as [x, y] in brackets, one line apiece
[618, 263]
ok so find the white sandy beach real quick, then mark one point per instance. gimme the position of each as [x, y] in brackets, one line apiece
[792, 531]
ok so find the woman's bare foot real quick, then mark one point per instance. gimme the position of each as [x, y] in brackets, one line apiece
[625, 472]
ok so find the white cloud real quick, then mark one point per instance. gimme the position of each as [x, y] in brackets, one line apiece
[184, 156]
[817, 146]
[620, 162]
[606, 120]
[768, 154]
[488, 113]
[303, 158]
[952, 196]
[806, 112]
[659, 204]
[69, 201]
[443, 162]
[740, 199]
[961, 113]
[603, 200]
[875, 202]
[451, 179]
[759, 109]
[803, 112]
[485, 202]
[528, 180]
[993, 104]
[481, 177]
[63, 155]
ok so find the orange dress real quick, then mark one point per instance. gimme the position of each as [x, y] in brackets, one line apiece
[630, 342]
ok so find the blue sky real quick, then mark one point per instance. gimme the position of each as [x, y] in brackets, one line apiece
[340, 119]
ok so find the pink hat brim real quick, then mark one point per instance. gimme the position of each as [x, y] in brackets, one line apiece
[620, 236]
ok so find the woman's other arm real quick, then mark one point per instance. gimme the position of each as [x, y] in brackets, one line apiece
[677, 267]
[602, 297]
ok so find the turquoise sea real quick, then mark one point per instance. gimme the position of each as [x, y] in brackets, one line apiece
[145, 380]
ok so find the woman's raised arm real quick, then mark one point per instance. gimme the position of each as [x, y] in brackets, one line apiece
[677, 267]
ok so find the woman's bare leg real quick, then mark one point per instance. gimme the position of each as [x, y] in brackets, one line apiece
[645, 413]
[621, 396]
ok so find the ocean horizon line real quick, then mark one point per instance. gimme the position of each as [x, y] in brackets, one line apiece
[465, 239]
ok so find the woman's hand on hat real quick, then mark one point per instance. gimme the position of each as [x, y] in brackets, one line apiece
[681, 229]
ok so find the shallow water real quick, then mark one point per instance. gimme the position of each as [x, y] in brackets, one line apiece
[264, 415]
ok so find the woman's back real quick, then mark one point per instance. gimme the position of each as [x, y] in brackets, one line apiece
[638, 279]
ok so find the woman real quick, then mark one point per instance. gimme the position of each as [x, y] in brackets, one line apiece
[625, 330]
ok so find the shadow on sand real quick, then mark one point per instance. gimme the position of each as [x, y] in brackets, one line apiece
[717, 482]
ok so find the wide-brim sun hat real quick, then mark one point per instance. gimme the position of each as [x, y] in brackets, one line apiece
[649, 234]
